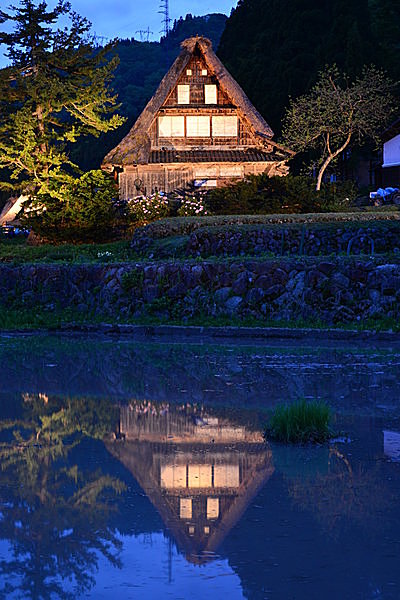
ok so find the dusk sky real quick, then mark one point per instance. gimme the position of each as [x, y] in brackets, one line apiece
[123, 18]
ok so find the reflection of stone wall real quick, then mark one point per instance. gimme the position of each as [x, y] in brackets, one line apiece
[354, 379]
[336, 290]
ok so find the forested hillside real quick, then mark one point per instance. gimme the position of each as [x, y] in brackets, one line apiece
[141, 68]
[275, 48]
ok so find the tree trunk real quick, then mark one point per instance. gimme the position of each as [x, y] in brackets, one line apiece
[329, 159]
[39, 114]
[322, 171]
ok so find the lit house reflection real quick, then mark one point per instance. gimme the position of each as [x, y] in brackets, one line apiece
[199, 470]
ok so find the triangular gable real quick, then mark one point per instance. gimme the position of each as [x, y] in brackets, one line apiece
[135, 148]
[196, 64]
[145, 459]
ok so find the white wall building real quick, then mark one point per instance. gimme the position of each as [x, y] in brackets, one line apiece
[391, 156]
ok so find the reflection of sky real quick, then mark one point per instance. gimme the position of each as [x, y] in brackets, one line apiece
[124, 18]
[7, 555]
[152, 568]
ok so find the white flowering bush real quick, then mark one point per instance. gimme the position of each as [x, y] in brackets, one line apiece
[192, 207]
[145, 209]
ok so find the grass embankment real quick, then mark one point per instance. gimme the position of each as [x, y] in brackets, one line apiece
[57, 318]
[168, 238]
[300, 423]
[17, 251]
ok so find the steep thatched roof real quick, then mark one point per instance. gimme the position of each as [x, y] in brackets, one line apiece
[11, 209]
[135, 147]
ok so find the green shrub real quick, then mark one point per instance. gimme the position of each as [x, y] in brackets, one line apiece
[260, 194]
[86, 209]
[300, 422]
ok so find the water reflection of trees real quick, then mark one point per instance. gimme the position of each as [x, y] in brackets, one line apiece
[348, 493]
[54, 506]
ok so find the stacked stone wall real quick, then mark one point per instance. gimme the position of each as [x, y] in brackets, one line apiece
[340, 290]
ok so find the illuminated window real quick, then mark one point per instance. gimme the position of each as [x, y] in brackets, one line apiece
[212, 508]
[171, 126]
[183, 94]
[224, 126]
[191, 530]
[189, 72]
[231, 171]
[173, 476]
[226, 476]
[199, 476]
[207, 530]
[185, 508]
[210, 94]
[205, 172]
[204, 72]
[197, 126]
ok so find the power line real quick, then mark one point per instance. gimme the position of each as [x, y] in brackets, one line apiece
[164, 10]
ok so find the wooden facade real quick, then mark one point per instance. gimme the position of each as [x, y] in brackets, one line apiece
[198, 129]
[168, 177]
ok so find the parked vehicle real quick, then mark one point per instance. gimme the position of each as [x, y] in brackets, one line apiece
[387, 195]
[10, 231]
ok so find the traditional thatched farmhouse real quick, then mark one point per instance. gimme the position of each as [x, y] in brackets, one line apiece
[199, 128]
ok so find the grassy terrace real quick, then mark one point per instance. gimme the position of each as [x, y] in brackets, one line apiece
[167, 238]
[17, 251]
[170, 249]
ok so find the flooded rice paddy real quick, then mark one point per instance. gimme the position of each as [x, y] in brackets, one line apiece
[139, 470]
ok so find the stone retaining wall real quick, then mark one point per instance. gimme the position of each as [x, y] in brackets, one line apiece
[330, 291]
[307, 240]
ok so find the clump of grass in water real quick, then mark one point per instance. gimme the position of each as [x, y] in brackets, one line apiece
[300, 422]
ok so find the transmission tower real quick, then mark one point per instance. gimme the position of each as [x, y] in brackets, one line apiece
[164, 10]
[144, 34]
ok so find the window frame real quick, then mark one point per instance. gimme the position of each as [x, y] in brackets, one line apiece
[215, 119]
[183, 89]
[204, 119]
[169, 118]
[210, 87]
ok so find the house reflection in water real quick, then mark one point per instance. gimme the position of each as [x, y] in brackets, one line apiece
[199, 471]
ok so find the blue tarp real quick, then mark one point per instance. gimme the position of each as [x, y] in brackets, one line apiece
[383, 192]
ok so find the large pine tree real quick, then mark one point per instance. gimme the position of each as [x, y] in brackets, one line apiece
[55, 90]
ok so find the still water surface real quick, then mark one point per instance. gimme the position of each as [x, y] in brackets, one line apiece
[139, 470]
